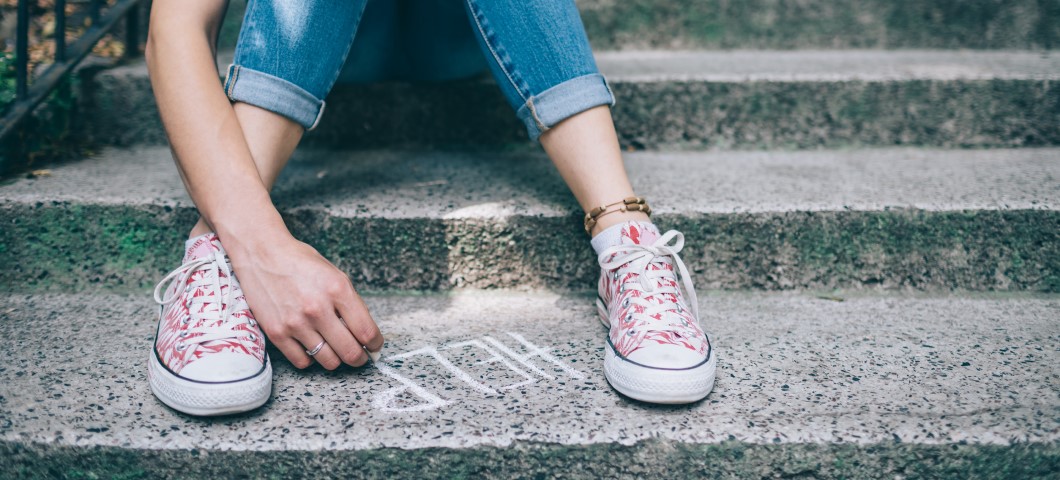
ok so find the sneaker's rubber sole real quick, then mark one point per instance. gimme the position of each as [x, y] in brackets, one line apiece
[657, 385]
[209, 399]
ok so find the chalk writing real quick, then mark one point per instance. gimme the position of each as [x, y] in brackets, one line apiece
[534, 351]
[497, 353]
[496, 357]
[384, 400]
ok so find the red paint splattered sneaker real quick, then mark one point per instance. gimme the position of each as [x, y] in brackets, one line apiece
[209, 355]
[656, 351]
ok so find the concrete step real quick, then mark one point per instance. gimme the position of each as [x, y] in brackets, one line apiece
[897, 218]
[867, 387]
[783, 25]
[740, 99]
[772, 24]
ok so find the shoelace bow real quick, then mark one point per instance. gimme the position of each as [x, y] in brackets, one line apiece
[639, 259]
[210, 315]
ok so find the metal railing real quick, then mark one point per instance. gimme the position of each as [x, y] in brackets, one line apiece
[30, 94]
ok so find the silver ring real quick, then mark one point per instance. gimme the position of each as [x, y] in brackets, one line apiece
[315, 349]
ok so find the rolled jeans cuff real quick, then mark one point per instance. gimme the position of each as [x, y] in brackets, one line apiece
[273, 94]
[542, 112]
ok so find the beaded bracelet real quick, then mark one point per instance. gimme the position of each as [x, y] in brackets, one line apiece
[629, 204]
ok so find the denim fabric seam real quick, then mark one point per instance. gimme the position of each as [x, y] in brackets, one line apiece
[610, 92]
[230, 79]
[320, 114]
[541, 127]
[493, 51]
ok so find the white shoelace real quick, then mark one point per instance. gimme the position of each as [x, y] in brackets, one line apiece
[214, 320]
[638, 259]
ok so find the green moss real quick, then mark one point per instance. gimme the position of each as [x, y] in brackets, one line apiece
[76, 247]
[131, 239]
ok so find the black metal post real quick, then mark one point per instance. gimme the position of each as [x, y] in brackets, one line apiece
[60, 30]
[27, 96]
[132, 31]
[22, 50]
[93, 11]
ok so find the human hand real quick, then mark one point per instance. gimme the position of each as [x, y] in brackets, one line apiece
[300, 299]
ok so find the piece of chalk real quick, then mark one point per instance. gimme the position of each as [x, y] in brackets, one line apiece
[373, 355]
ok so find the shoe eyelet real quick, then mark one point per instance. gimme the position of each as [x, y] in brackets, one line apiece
[625, 303]
[181, 346]
[252, 337]
[185, 320]
[251, 322]
[183, 334]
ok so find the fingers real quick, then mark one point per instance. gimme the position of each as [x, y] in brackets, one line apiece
[294, 351]
[340, 346]
[331, 312]
[325, 356]
[343, 344]
[358, 321]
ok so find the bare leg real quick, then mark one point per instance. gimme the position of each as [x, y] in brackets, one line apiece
[271, 138]
[296, 295]
[585, 150]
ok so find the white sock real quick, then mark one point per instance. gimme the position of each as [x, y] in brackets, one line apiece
[613, 235]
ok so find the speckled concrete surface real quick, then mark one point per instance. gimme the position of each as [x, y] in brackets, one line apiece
[792, 369]
[765, 24]
[883, 218]
[441, 185]
[742, 99]
[828, 65]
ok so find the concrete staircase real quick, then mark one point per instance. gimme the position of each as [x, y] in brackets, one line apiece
[875, 235]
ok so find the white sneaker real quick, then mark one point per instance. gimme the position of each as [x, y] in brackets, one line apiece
[209, 355]
[657, 351]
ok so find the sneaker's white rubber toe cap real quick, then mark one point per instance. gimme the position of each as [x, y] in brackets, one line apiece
[238, 391]
[686, 384]
[666, 356]
[222, 367]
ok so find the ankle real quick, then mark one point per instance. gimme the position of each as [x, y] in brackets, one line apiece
[200, 228]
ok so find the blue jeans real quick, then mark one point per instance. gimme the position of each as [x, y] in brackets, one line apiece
[291, 52]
